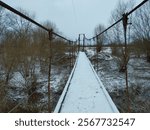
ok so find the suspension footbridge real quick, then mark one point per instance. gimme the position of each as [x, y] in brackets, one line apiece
[84, 91]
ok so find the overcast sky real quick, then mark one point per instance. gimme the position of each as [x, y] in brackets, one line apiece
[71, 17]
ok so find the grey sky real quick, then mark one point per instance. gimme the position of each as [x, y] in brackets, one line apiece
[70, 16]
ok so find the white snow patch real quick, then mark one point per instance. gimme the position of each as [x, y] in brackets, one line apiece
[17, 80]
[107, 50]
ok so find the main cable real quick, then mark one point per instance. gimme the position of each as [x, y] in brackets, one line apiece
[29, 19]
[128, 13]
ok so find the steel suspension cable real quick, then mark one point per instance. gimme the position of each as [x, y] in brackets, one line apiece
[128, 13]
[29, 19]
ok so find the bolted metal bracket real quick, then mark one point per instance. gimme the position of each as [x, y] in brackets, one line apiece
[50, 33]
[125, 21]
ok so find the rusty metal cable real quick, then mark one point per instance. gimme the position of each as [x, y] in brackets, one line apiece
[29, 19]
[128, 13]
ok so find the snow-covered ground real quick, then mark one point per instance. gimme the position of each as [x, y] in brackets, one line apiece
[19, 87]
[114, 81]
[108, 72]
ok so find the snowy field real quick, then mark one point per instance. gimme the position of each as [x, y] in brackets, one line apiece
[108, 72]
[19, 92]
[114, 81]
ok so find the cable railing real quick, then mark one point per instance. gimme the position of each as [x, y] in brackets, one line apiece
[121, 19]
[31, 20]
[69, 45]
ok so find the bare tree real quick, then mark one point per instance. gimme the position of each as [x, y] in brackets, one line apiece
[116, 33]
[100, 39]
[2, 23]
[8, 56]
[23, 46]
[141, 27]
[22, 27]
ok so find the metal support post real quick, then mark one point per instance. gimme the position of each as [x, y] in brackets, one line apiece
[97, 53]
[83, 42]
[49, 70]
[79, 43]
[125, 23]
[70, 51]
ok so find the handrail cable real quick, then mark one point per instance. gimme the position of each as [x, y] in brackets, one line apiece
[29, 19]
[18, 104]
[128, 13]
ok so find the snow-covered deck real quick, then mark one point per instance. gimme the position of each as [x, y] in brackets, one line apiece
[84, 92]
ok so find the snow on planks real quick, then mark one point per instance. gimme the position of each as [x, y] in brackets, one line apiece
[84, 92]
